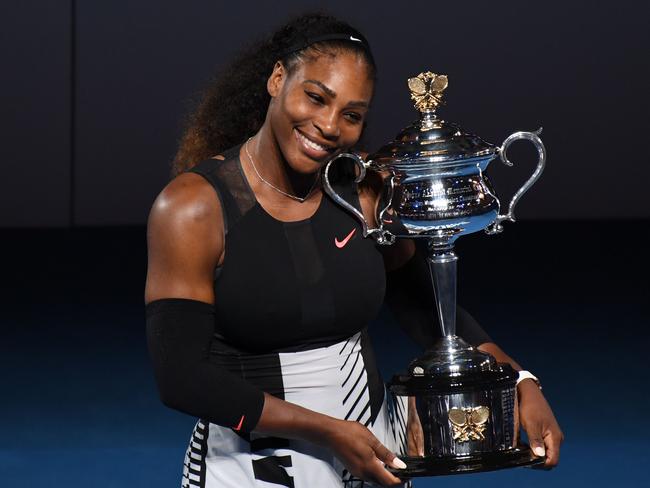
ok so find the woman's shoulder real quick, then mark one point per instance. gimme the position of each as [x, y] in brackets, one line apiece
[186, 205]
[189, 193]
[185, 239]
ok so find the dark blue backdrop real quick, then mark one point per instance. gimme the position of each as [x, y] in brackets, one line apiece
[79, 405]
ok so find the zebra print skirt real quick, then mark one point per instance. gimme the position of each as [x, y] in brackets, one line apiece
[340, 380]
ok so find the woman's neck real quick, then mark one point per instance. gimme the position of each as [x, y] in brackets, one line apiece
[272, 166]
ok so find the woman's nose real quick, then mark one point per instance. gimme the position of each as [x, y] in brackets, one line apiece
[328, 125]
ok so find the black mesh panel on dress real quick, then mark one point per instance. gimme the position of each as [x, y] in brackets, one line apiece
[230, 184]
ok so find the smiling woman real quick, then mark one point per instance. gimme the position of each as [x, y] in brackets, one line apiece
[321, 106]
[258, 299]
[260, 287]
[317, 109]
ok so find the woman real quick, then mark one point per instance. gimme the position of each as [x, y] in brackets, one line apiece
[257, 297]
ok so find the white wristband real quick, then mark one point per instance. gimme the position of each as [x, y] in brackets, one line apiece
[523, 375]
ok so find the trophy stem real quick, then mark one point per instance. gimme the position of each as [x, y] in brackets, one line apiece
[442, 267]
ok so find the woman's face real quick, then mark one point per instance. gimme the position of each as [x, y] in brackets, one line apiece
[319, 109]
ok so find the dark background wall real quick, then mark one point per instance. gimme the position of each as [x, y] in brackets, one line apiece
[93, 94]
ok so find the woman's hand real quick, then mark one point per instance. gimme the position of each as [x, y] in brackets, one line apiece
[352, 443]
[362, 453]
[535, 415]
[538, 421]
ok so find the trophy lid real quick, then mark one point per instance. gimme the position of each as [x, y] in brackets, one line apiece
[452, 365]
[451, 355]
[431, 139]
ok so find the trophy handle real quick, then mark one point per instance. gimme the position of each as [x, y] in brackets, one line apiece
[381, 235]
[533, 137]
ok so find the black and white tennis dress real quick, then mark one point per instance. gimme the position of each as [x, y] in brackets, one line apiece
[292, 303]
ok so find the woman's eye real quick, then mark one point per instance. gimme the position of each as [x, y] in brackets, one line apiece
[353, 117]
[315, 97]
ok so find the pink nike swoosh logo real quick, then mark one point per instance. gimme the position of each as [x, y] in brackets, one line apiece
[341, 244]
[388, 221]
[241, 422]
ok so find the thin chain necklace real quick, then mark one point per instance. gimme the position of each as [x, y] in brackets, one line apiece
[301, 200]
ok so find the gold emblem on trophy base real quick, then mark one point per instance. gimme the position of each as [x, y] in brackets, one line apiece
[426, 90]
[468, 424]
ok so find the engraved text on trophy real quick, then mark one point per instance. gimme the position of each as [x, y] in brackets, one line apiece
[445, 198]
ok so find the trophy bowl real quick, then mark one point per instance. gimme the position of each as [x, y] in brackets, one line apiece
[456, 404]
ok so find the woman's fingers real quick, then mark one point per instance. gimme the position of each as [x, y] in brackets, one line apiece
[536, 439]
[537, 445]
[363, 454]
[381, 475]
[386, 456]
[546, 443]
[544, 433]
[552, 441]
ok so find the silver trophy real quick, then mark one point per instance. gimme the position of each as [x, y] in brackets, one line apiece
[460, 401]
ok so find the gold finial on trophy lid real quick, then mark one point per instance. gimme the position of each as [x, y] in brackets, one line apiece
[426, 90]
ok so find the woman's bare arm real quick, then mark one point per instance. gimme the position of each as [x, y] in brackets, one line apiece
[185, 241]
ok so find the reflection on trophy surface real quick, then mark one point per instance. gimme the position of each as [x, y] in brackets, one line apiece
[460, 404]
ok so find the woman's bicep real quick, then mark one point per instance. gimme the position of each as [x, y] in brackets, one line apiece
[184, 241]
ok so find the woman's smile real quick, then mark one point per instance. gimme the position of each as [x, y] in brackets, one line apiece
[311, 148]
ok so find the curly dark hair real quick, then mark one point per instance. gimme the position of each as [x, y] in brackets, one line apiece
[234, 105]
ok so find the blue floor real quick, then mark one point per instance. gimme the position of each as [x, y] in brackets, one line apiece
[79, 405]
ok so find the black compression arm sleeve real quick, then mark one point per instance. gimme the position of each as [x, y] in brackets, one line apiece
[410, 297]
[179, 333]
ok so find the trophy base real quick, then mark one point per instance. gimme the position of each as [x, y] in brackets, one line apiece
[474, 463]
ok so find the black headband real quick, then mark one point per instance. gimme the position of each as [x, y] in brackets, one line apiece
[354, 38]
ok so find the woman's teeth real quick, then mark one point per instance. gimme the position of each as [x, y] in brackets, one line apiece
[312, 144]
